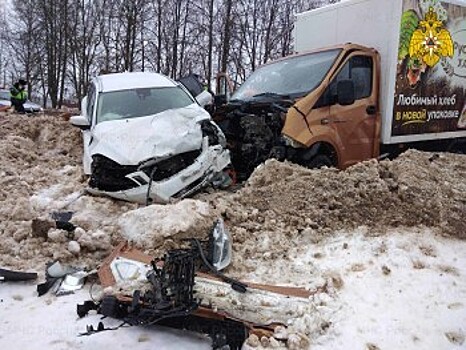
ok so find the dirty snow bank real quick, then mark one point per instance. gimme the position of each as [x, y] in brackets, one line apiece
[284, 206]
[33, 150]
[156, 227]
[289, 227]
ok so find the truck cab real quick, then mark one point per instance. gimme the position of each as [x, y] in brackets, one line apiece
[338, 122]
[317, 108]
[357, 89]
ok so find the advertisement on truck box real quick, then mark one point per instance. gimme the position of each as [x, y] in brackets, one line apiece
[430, 95]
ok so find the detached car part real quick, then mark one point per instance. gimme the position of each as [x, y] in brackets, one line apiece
[182, 291]
[170, 300]
[14, 276]
[61, 279]
[220, 246]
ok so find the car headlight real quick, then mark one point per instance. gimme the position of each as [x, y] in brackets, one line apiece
[220, 245]
[292, 143]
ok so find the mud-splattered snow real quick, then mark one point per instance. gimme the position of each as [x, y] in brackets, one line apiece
[386, 239]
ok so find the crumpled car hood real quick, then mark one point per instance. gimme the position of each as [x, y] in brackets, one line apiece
[130, 141]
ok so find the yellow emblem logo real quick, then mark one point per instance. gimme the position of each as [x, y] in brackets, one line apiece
[431, 41]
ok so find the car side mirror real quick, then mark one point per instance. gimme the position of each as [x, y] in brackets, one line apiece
[80, 122]
[345, 92]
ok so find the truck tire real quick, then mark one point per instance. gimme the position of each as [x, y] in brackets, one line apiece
[319, 161]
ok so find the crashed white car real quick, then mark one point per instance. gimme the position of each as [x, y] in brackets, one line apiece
[147, 139]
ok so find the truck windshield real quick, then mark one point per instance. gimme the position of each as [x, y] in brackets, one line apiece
[293, 76]
[136, 103]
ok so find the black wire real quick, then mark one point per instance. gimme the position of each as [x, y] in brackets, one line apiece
[235, 284]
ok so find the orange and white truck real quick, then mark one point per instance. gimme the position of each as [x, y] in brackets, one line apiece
[370, 78]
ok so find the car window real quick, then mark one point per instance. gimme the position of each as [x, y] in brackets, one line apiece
[140, 102]
[4, 95]
[359, 69]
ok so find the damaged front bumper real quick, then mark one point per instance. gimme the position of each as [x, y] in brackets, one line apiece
[212, 160]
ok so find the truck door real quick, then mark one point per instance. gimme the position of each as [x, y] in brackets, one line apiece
[356, 124]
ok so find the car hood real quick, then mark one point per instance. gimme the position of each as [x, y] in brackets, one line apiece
[131, 141]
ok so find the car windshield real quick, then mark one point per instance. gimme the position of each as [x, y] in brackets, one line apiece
[136, 103]
[293, 76]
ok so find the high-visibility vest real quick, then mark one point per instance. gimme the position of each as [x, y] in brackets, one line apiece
[18, 94]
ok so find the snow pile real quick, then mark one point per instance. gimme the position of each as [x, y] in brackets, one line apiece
[41, 172]
[284, 206]
[161, 227]
[290, 226]
[32, 150]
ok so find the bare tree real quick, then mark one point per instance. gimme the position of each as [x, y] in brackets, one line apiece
[58, 45]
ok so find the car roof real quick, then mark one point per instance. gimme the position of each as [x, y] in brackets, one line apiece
[132, 80]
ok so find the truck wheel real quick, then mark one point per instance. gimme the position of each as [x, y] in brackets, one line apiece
[319, 161]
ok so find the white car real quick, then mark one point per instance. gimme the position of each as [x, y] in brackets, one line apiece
[29, 106]
[147, 139]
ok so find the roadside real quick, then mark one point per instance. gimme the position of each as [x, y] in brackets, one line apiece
[366, 234]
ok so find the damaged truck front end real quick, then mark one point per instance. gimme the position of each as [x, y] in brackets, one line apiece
[315, 109]
[149, 141]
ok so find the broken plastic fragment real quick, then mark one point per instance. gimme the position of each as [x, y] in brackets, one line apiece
[72, 282]
[10, 275]
[128, 270]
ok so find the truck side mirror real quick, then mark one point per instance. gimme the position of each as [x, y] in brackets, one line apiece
[345, 92]
[80, 121]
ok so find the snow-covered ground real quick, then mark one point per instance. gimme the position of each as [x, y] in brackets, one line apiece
[402, 290]
[51, 323]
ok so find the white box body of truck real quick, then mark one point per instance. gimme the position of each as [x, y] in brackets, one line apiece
[419, 101]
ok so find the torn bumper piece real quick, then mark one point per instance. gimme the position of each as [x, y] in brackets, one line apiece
[210, 162]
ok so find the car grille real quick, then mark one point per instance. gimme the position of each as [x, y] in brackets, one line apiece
[108, 175]
[173, 165]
